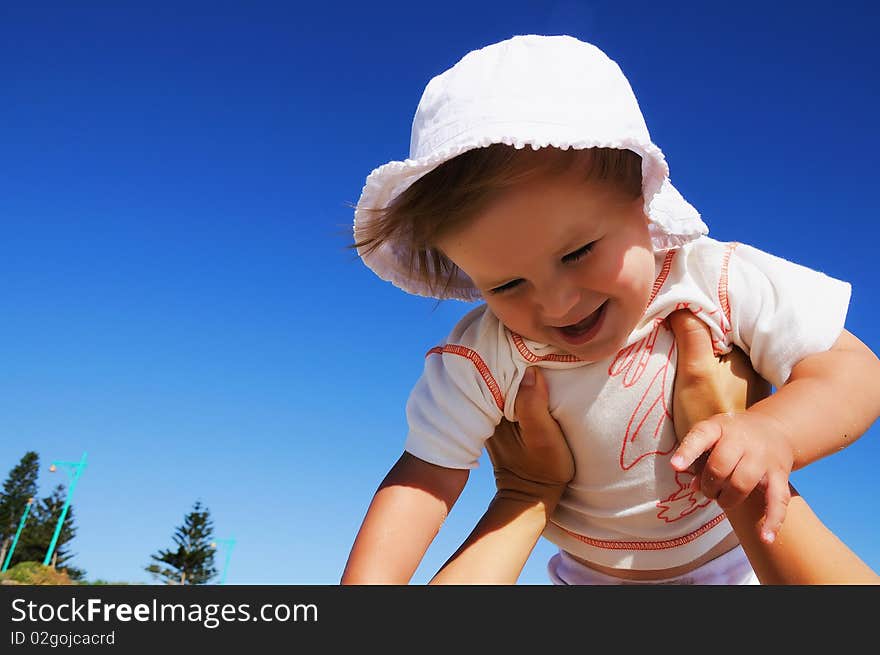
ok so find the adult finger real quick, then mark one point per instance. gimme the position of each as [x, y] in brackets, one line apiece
[537, 426]
[506, 439]
[696, 356]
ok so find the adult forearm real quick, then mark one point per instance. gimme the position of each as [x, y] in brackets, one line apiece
[497, 549]
[805, 550]
[532, 465]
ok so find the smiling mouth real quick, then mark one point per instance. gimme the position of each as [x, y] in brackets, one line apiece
[585, 329]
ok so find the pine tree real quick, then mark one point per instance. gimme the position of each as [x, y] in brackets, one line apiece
[35, 539]
[19, 487]
[192, 562]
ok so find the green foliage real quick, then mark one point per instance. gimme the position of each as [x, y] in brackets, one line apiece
[41, 521]
[192, 561]
[18, 488]
[35, 539]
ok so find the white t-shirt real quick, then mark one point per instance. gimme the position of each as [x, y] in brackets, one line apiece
[626, 506]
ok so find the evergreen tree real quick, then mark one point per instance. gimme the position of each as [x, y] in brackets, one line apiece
[19, 487]
[192, 562]
[35, 539]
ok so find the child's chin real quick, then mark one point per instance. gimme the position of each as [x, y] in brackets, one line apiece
[595, 351]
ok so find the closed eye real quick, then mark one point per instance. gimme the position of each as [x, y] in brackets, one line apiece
[508, 286]
[578, 254]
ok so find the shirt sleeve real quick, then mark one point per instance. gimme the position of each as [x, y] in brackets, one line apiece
[781, 312]
[455, 405]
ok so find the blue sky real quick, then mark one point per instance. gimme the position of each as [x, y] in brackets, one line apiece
[178, 300]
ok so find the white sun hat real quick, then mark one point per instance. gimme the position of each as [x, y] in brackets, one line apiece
[528, 90]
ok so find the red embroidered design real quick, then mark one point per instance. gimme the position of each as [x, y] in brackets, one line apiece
[683, 501]
[646, 422]
[645, 426]
[480, 365]
[645, 545]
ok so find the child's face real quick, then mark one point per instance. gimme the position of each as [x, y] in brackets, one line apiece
[561, 261]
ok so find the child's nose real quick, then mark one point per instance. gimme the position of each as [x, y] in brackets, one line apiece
[558, 302]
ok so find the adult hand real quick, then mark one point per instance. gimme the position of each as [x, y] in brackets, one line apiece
[706, 385]
[531, 458]
[532, 465]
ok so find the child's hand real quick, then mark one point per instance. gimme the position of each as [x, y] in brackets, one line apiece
[748, 450]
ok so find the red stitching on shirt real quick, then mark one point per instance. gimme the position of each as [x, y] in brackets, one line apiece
[722, 282]
[664, 273]
[645, 545]
[485, 373]
[531, 357]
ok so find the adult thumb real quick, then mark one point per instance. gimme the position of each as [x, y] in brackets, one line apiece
[531, 406]
[694, 343]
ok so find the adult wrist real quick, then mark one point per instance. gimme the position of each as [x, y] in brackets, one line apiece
[543, 495]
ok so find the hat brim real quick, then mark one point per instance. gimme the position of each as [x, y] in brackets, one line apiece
[391, 262]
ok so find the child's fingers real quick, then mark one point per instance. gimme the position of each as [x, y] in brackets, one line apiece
[747, 475]
[721, 467]
[778, 496]
[697, 469]
[701, 438]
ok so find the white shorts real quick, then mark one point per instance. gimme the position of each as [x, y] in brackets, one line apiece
[731, 568]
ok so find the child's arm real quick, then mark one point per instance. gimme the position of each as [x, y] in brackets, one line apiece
[453, 408]
[806, 551]
[404, 517]
[829, 401]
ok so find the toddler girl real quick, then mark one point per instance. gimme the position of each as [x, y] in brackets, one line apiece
[534, 186]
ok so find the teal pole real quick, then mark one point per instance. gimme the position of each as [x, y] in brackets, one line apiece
[229, 544]
[17, 533]
[77, 469]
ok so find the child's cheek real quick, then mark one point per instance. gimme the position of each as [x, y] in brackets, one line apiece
[512, 317]
[636, 276]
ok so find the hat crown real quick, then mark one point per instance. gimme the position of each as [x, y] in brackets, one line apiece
[525, 80]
